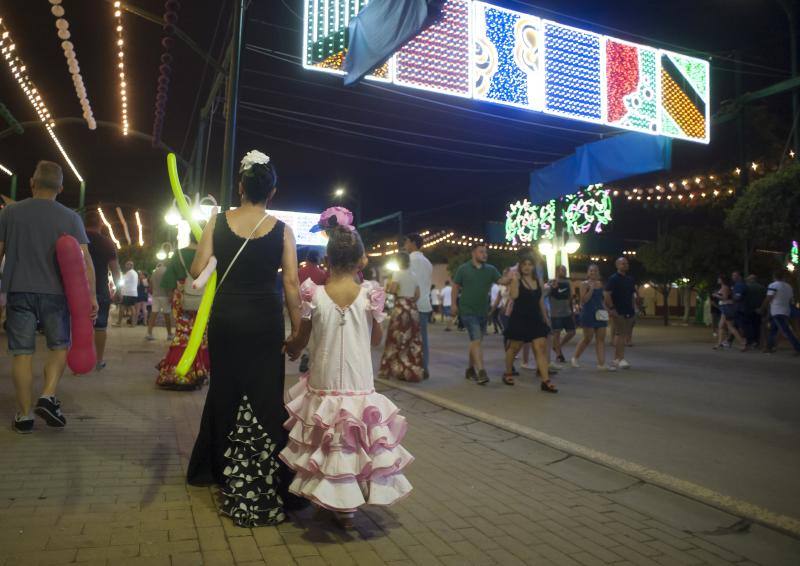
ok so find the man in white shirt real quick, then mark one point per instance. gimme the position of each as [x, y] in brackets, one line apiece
[436, 303]
[129, 289]
[422, 269]
[447, 304]
[779, 298]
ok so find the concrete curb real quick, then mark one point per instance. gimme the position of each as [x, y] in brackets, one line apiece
[743, 509]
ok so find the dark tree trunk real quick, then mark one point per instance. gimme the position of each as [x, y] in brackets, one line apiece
[665, 291]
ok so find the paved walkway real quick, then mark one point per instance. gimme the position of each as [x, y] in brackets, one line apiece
[109, 489]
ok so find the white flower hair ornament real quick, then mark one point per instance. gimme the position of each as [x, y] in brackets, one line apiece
[253, 157]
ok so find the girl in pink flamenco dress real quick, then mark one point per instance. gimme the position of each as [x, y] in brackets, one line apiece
[344, 438]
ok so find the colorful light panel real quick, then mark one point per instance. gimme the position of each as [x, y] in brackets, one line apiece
[586, 210]
[631, 73]
[438, 58]
[685, 87]
[327, 35]
[507, 57]
[572, 77]
[526, 223]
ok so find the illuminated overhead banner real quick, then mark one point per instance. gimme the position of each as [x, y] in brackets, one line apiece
[481, 51]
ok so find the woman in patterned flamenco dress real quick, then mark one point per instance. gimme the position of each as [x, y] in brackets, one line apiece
[344, 438]
[402, 355]
[241, 431]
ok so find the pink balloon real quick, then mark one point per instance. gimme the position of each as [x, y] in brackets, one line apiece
[82, 357]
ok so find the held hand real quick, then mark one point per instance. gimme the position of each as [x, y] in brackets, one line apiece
[292, 347]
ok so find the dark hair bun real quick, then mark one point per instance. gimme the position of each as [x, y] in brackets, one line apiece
[258, 182]
[345, 248]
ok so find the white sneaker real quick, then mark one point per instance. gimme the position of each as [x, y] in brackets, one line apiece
[622, 364]
[528, 366]
[556, 366]
[606, 368]
[574, 362]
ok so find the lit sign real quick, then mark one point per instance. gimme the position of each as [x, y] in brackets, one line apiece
[301, 224]
[477, 50]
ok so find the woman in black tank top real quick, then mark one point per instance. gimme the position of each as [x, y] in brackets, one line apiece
[241, 432]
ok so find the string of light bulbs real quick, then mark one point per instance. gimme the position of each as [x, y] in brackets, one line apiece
[72, 62]
[110, 229]
[139, 225]
[123, 84]
[20, 73]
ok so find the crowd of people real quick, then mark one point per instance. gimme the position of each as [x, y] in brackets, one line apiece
[334, 441]
[754, 316]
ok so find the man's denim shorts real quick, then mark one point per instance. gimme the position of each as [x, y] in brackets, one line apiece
[25, 310]
[475, 325]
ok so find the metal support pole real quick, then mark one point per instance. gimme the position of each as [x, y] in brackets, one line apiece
[82, 200]
[13, 187]
[231, 107]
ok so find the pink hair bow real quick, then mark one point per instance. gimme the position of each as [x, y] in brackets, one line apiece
[336, 216]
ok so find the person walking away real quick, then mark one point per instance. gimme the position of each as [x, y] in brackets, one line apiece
[472, 283]
[780, 297]
[184, 311]
[422, 269]
[336, 468]
[241, 430]
[447, 306]
[129, 289]
[593, 319]
[403, 353]
[104, 260]
[726, 321]
[436, 304]
[29, 230]
[142, 298]
[310, 269]
[739, 290]
[494, 313]
[620, 299]
[529, 323]
[753, 301]
[161, 303]
[561, 312]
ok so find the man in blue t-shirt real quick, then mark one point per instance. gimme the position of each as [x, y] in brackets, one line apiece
[620, 299]
[29, 230]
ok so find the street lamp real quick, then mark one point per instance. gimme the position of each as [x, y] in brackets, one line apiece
[339, 193]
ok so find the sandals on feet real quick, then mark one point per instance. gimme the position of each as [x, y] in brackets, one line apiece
[508, 379]
[548, 387]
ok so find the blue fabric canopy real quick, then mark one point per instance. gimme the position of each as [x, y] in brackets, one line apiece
[381, 28]
[615, 158]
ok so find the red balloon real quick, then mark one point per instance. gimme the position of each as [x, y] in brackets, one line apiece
[82, 357]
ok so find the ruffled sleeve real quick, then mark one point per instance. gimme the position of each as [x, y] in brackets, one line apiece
[376, 296]
[307, 291]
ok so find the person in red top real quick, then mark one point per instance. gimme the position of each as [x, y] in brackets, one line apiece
[310, 269]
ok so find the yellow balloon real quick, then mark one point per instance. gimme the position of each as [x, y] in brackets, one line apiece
[199, 328]
[204, 311]
[180, 198]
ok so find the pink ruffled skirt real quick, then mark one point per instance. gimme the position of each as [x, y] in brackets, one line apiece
[345, 448]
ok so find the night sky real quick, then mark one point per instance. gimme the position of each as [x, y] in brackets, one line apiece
[282, 103]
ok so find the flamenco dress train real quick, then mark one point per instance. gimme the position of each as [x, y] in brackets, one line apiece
[241, 429]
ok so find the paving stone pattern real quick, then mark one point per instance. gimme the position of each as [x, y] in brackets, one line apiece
[109, 489]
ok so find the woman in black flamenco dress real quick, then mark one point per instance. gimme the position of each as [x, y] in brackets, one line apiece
[241, 432]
